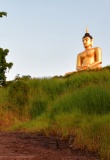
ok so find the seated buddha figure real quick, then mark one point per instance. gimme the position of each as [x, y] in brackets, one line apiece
[90, 58]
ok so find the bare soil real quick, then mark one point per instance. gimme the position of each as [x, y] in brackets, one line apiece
[28, 146]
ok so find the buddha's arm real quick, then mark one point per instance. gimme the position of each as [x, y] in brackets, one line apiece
[78, 63]
[79, 66]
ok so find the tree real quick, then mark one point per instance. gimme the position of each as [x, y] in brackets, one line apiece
[3, 64]
[3, 14]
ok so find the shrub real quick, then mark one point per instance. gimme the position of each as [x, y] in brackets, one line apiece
[18, 93]
[38, 107]
[94, 99]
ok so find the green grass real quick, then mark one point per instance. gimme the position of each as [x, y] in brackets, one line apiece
[76, 105]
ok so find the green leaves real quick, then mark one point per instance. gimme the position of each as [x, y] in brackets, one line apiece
[3, 14]
[4, 65]
[18, 93]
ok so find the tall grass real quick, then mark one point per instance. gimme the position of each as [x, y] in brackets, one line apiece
[76, 105]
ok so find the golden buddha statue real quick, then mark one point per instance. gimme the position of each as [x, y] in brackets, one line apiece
[90, 58]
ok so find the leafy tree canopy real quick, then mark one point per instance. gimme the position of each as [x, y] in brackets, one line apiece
[3, 63]
[3, 14]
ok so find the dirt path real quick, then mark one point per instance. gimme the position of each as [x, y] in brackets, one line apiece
[22, 146]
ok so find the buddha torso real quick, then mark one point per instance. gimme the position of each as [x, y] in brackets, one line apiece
[88, 57]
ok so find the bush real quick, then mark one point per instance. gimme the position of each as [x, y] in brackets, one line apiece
[88, 100]
[18, 93]
[38, 107]
[94, 99]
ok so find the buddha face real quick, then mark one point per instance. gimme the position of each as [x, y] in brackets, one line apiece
[87, 42]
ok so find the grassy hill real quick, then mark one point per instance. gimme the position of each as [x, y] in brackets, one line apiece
[76, 106]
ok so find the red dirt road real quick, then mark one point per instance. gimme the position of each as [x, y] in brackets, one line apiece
[25, 146]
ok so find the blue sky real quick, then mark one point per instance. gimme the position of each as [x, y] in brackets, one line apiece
[45, 36]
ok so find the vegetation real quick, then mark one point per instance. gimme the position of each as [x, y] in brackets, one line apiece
[3, 64]
[3, 14]
[76, 107]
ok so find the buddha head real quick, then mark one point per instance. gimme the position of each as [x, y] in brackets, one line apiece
[87, 39]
